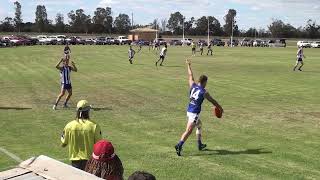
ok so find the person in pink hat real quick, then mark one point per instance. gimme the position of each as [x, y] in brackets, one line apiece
[104, 163]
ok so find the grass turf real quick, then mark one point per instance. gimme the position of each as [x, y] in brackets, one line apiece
[270, 128]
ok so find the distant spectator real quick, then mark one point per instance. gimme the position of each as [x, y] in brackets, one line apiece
[104, 163]
[80, 135]
[141, 175]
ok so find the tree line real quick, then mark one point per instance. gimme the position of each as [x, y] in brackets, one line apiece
[103, 21]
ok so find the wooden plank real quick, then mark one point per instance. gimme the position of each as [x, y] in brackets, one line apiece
[13, 172]
[28, 176]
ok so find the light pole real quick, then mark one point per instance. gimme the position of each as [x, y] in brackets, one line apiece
[182, 31]
[208, 30]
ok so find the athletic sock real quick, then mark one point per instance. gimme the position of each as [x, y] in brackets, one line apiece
[199, 143]
[180, 144]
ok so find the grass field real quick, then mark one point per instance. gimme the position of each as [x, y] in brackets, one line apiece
[270, 129]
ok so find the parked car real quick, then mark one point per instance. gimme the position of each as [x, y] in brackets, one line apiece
[123, 40]
[175, 42]
[161, 41]
[90, 41]
[245, 42]
[203, 42]
[101, 41]
[217, 42]
[304, 44]
[257, 43]
[235, 42]
[315, 44]
[264, 43]
[14, 41]
[277, 43]
[187, 41]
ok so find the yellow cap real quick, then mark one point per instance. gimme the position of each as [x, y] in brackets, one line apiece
[83, 105]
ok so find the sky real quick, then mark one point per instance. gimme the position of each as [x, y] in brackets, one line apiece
[250, 13]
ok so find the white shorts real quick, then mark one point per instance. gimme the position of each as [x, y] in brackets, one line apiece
[193, 117]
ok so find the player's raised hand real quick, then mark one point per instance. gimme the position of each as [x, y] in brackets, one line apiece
[188, 61]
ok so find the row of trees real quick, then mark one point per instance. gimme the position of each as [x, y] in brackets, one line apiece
[103, 22]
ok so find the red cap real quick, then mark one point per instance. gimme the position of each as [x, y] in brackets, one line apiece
[103, 151]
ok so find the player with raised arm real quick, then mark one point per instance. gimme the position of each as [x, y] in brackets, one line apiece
[197, 94]
[300, 56]
[65, 71]
[163, 54]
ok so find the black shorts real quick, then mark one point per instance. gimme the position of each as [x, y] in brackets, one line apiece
[161, 57]
[193, 49]
[66, 86]
[300, 59]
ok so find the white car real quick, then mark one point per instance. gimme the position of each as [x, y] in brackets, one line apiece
[187, 41]
[304, 44]
[43, 40]
[315, 44]
[123, 40]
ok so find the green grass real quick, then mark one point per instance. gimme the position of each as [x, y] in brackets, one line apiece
[270, 129]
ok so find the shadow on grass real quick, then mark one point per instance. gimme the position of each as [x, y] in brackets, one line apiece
[102, 109]
[223, 152]
[172, 66]
[14, 108]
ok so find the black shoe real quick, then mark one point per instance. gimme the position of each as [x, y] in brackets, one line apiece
[300, 69]
[157, 63]
[202, 146]
[178, 150]
[161, 65]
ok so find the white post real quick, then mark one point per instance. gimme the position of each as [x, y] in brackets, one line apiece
[232, 32]
[208, 31]
[183, 32]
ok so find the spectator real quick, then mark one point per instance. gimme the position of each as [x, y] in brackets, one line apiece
[80, 135]
[141, 175]
[104, 163]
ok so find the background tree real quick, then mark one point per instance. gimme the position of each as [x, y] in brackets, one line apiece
[79, 21]
[229, 18]
[122, 24]
[175, 22]
[41, 20]
[155, 24]
[312, 30]
[17, 17]
[163, 25]
[279, 29]
[7, 25]
[109, 20]
[189, 26]
[214, 26]
[60, 26]
[98, 20]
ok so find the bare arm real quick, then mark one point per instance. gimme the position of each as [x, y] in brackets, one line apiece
[73, 67]
[213, 101]
[190, 74]
[58, 64]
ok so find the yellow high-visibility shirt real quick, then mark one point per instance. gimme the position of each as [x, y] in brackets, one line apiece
[80, 136]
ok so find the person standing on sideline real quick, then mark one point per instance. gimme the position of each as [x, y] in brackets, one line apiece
[67, 51]
[104, 162]
[65, 71]
[300, 56]
[80, 135]
[193, 48]
[201, 48]
[209, 49]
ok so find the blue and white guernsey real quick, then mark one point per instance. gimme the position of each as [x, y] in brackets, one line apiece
[196, 98]
[65, 75]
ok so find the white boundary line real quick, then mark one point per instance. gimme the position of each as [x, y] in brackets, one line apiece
[11, 155]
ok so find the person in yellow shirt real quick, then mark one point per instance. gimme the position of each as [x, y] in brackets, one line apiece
[80, 135]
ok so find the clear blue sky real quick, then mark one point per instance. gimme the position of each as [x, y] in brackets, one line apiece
[251, 13]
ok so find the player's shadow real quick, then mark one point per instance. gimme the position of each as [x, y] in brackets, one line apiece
[102, 109]
[172, 66]
[223, 152]
[14, 108]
